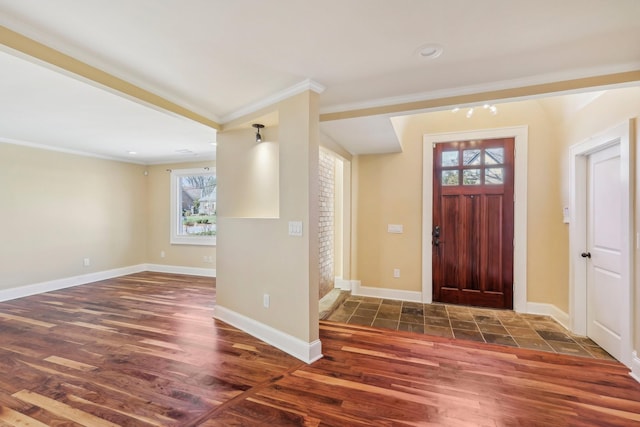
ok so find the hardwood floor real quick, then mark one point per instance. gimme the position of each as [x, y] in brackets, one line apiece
[143, 350]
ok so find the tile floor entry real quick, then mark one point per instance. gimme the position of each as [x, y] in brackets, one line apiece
[504, 327]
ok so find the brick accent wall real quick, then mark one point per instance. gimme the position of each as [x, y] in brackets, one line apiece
[326, 225]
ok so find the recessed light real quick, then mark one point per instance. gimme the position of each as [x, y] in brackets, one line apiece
[132, 153]
[430, 51]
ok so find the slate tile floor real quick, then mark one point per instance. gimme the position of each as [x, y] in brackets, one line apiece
[504, 327]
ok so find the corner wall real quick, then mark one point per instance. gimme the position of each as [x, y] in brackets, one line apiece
[390, 192]
[608, 110]
[158, 222]
[59, 208]
[257, 255]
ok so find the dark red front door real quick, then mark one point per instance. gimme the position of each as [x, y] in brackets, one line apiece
[473, 222]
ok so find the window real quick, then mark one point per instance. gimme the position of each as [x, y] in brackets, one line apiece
[479, 166]
[193, 206]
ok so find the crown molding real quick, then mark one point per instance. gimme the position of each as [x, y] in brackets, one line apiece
[67, 151]
[296, 89]
[541, 85]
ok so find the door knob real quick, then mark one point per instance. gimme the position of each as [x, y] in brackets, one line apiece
[585, 254]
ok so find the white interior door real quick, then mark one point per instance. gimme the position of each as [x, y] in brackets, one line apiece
[607, 289]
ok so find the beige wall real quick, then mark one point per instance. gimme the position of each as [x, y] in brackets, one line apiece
[390, 192]
[58, 209]
[608, 110]
[158, 222]
[257, 256]
[388, 189]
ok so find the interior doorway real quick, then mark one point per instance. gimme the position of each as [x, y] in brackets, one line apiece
[601, 241]
[472, 233]
[520, 138]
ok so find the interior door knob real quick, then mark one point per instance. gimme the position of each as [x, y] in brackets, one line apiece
[585, 254]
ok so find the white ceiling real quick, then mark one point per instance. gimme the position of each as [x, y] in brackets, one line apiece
[222, 58]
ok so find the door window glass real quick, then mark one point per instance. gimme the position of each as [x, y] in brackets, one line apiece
[450, 177]
[449, 158]
[471, 177]
[471, 157]
[494, 156]
[494, 176]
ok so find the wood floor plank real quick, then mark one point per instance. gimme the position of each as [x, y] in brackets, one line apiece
[62, 410]
[18, 419]
[144, 350]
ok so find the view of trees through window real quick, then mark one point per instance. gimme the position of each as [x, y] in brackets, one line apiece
[197, 199]
[477, 166]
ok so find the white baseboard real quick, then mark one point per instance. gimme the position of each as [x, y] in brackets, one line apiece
[176, 269]
[307, 352]
[635, 366]
[343, 284]
[67, 282]
[550, 310]
[386, 293]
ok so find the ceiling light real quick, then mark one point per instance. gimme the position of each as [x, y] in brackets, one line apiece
[132, 153]
[430, 51]
[258, 126]
[492, 109]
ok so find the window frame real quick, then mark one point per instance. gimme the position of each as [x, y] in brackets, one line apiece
[176, 211]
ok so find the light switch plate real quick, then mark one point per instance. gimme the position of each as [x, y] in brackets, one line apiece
[394, 228]
[295, 228]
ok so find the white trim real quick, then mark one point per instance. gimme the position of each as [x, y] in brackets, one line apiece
[490, 87]
[303, 86]
[386, 293]
[520, 134]
[83, 279]
[68, 282]
[176, 269]
[307, 352]
[342, 284]
[578, 225]
[635, 366]
[549, 310]
[69, 151]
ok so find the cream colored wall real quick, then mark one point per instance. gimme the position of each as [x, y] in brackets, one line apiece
[390, 192]
[608, 110]
[58, 208]
[257, 256]
[159, 217]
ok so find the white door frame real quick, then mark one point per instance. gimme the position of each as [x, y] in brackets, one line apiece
[520, 134]
[578, 229]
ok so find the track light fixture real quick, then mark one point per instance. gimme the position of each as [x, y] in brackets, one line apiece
[492, 109]
[258, 126]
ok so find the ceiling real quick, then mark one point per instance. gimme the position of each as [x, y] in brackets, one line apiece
[222, 59]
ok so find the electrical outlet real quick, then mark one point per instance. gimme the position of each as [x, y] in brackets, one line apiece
[266, 300]
[162, 254]
[396, 272]
[86, 262]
